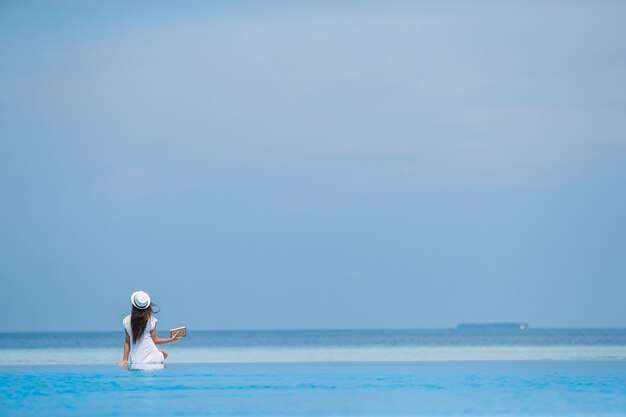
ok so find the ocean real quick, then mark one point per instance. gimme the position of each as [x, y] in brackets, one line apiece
[473, 372]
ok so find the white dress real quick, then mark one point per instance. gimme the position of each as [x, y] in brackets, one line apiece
[144, 351]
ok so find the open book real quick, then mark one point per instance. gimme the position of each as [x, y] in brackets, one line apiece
[178, 331]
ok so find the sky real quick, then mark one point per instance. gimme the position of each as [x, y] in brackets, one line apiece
[287, 165]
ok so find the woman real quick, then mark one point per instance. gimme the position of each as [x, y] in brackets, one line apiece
[141, 333]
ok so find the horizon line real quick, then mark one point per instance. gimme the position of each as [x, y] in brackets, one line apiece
[328, 329]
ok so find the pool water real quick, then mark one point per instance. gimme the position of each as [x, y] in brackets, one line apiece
[460, 388]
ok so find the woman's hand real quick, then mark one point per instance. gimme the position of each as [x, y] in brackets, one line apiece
[158, 341]
[124, 361]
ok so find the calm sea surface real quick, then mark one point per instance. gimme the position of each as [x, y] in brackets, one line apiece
[417, 337]
[535, 372]
[326, 345]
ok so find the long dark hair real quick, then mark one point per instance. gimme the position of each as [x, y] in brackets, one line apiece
[139, 320]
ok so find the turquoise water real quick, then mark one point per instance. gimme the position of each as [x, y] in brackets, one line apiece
[326, 346]
[512, 388]
[365, 337]
[537, 372]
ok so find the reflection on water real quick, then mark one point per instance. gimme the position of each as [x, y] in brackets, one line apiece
[144, 366]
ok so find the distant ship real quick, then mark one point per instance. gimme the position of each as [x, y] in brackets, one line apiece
[492, 326]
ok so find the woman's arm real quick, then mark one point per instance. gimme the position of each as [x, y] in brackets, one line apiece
[124, 361]
[158, 341]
